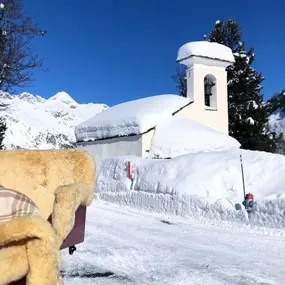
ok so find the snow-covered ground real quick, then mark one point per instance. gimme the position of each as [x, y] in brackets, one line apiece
[207, 184]
[126, 246]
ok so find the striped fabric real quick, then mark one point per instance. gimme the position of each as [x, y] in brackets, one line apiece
[14, 204]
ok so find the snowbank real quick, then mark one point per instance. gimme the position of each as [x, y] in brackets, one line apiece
[130, 118]
[205, 49]
[181, 136]
[207, 184]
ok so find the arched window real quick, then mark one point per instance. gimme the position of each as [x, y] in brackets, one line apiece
[210, 95]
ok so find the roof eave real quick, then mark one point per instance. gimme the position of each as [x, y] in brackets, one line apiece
[202, 56]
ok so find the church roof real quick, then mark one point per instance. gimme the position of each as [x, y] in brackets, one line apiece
[131, 118]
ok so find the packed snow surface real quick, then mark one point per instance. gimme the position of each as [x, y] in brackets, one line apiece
[124, 246]
[201, 184]
[205, 49]
[37, 123]
[130, 118]
[181, 136]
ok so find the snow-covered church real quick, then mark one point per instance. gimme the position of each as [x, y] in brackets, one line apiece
[168, 125]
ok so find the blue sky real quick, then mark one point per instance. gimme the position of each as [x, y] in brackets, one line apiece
[111, 51]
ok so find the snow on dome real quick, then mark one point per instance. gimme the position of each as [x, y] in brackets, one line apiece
[181, 136]
[130, 118]
[63, 97]
[205, 49]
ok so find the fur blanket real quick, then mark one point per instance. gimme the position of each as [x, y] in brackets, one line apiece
[29, 244]
[27, 241]
[37, 173]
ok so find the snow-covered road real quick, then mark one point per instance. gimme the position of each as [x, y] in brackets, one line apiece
[126, 246]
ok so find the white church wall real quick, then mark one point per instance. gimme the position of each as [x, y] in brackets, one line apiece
[131, 145]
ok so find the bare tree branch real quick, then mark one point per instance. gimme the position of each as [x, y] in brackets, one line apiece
[17, 60]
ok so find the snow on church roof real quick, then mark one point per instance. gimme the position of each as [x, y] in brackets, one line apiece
[130, 118]
[205, 49]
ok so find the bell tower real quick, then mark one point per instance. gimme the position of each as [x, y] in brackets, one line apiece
[206, 76]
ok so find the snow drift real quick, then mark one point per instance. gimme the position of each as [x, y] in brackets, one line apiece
[207, 184]
[179, 136]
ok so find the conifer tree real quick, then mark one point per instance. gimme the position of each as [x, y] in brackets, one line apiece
[277, 102]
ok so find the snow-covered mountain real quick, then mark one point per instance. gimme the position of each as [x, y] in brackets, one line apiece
[277, 122]
[37, 123]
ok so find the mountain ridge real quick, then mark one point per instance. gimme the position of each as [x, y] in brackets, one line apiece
[34, 122]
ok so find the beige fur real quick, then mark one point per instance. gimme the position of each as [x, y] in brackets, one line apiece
[58, 181]
[16, 264]
[37, 173]
[67, 200]
[29, 244]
